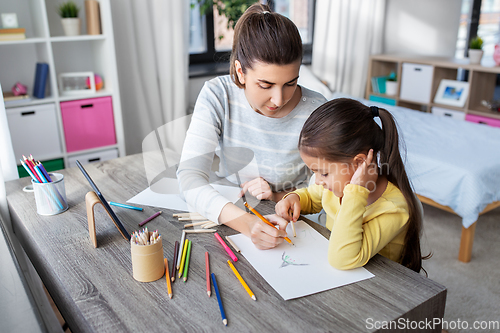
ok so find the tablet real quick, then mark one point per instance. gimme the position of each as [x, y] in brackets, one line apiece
[104, 202]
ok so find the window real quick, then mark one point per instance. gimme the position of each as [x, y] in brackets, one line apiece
[210, 41]
[479, 18]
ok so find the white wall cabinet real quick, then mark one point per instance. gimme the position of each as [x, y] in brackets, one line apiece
[45, 42]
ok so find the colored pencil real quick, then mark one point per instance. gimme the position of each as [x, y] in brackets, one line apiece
[45, 173]
[30, 165]
[186, 265]
[192, 218]
[199, 231]
[265, 220]
[28, 170]
[167, 277]
[243, 283]
[195, 224]
[185, 214]
[174, 261]
[149, 219]
[237, 249]
[209, 225]
[207, 269]
[181, 247]
[293, 228]
[219, 300]
[183, 259]
[228, 250]
[124, 206]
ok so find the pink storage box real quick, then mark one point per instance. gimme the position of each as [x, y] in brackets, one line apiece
[88, 123]
[483, 120]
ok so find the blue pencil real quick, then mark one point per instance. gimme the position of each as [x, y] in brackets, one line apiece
[221, 307]
[124, 206]
[29, 171]
[45, 173]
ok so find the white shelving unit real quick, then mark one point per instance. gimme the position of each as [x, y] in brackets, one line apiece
[45, 42]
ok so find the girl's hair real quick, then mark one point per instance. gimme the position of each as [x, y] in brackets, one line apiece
[342, 128]
[263, 36]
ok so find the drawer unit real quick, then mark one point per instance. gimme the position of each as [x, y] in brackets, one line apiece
[483, 120]
[88, 123]
[437, 111]
[33, 130]
[416, 83]
[98, 156]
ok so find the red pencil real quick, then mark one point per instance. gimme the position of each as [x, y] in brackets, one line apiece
[207, 267]
[32, 168]
[174, 261]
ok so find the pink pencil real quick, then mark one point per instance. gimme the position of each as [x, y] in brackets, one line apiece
[228, 250]
[207, 268]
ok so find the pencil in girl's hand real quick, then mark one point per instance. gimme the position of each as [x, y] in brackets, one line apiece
[290, 213]
[167, 277]
[219, 300]
[176, 250]
[186, 265]
[207, 269]
[264, 220]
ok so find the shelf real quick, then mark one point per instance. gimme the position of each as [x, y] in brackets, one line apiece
[77, 38]
[395, 97]
[100, 93]
[450, 107]
[34, 101]
[480, 110]
[23, 41]
[92, 150]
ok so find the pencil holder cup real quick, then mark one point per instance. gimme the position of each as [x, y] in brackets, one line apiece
[50, 197]
[147, 262]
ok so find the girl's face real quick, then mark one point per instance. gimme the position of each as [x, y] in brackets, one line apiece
[271, 89]
[333, 176]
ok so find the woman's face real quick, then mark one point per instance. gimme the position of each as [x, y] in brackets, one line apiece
[269, 87]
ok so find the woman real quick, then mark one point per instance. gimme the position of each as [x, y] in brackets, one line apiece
[255, 113]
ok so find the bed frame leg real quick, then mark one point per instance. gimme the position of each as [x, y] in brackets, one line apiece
[466, 241]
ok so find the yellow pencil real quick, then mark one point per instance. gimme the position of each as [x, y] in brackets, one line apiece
[265, 220]
[167, 276]
[184, 250]
[243, 283]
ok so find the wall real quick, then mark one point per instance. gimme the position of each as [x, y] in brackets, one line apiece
[427, 27]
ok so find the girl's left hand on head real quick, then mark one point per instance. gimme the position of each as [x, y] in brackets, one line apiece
[366, 174]
[257, 187]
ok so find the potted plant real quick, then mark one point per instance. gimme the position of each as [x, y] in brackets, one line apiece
[391, 84]
[475, 50]
[69, 18]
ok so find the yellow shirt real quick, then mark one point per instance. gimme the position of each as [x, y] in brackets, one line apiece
[358, 231]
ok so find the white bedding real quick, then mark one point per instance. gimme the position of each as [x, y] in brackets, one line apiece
[456, 163]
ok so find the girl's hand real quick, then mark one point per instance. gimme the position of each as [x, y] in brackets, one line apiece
[366, 174]
[257, 187]
[266, 237]
[289, 208]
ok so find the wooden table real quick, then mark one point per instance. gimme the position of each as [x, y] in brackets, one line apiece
[95, 292]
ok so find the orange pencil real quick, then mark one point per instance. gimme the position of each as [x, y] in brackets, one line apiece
[265, 220]
[167, 276]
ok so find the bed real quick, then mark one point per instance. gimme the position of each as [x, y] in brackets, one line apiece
[453, 164]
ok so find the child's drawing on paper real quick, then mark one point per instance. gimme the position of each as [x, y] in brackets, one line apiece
[287, 261]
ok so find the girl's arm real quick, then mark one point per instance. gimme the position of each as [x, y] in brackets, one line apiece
[310, 198]
[353, 243]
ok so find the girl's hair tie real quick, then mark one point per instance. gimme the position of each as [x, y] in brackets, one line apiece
[266, 12]
[374, 110]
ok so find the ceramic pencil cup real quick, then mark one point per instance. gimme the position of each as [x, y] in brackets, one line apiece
[147, 261]
[50, 197]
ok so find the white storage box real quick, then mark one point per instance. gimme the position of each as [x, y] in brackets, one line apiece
[98, 156]
[448, 113]
[34, 130]
[416, 83]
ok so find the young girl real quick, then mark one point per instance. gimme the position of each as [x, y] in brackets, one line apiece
[257, 111]
[361, 184]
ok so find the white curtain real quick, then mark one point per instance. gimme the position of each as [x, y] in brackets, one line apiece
[346, 33]
[8, 169]
[152, 43]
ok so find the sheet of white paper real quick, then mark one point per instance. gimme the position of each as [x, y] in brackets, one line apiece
[165, 194]
[300, 270]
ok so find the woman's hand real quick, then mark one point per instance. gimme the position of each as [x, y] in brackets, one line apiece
[289, 208]
[366, 174]
[266, 237]
[257, 187]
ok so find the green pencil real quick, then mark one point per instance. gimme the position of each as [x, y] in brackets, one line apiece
[186, 265]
